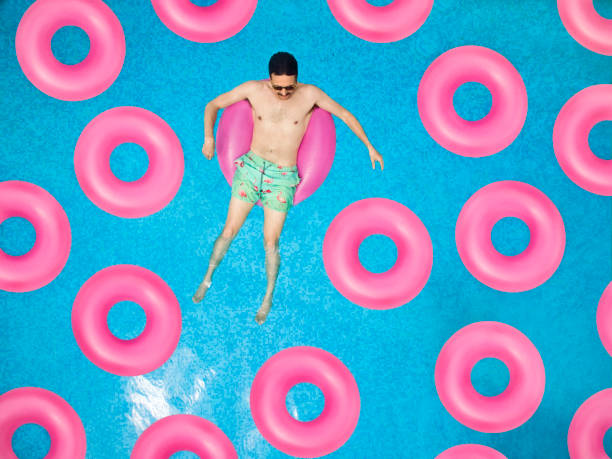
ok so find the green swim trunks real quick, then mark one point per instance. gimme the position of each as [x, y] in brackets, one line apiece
[257, 179]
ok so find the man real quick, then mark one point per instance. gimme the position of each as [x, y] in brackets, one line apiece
[281, 111]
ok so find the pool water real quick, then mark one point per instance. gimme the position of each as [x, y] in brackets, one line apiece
[391, 354]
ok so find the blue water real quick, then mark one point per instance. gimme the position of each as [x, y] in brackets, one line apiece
[392, 353]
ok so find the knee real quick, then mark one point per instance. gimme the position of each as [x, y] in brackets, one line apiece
[271, 241]
[229, 232]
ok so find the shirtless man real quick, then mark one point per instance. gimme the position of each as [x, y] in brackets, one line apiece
[281, 111]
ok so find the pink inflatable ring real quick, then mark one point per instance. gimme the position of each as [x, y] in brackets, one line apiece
[530, 268]
[46, 259]
[585, 438]
[157, 341]
[586, 26]
[332, 428]
[205, 24]
[499, 127]
[404, 280]
[604, 318]
[470, 452]
[32, 405]
[381, 24]
[81, 81]
[315, 155]
[183, 432]
[571, 139]
[503, 412]
[142, 197]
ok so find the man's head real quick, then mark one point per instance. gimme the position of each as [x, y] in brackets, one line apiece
[283, 74]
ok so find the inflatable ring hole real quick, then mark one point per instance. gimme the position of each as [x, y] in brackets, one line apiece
[490, 377]
[70, 45]
[31, 441]
[604, 9]
[608, 442]
[126, 320]
[17, 236]
[203, 3]
[380, 2]
[510, 236]
[378, 253]
[129, 162]
[600, 140]
[472, 101]
[305, 402]
[184, 455]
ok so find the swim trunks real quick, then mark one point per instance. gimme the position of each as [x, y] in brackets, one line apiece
[258, 179]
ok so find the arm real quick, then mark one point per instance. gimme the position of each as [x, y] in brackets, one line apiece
[237, 94]
[325, 102]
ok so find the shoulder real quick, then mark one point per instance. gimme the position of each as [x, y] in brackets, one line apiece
[246, 90]
[309, 88]
[311, 91]
[251, 86]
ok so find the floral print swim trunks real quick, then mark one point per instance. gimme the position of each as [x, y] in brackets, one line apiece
[257, 179]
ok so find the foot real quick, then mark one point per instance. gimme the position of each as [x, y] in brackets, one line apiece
[262, 313]
[201, 291]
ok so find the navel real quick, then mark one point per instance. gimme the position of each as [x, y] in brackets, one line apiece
[295, 122]
[259, 118]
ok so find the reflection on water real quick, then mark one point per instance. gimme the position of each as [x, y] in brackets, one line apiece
[188, 384]
[149, 402]
[178, 387]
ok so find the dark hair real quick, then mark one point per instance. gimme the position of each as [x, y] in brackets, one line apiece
[283, 63]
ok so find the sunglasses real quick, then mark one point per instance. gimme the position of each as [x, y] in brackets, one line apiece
[280, 88]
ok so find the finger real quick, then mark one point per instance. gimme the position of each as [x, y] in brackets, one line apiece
[382, 164]
[373, 163]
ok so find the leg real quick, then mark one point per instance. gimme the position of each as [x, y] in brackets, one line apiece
[273, 225]
[236, 215]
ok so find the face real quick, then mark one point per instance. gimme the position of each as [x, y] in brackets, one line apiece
[283, 85]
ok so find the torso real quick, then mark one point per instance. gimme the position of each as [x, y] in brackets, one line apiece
[279, 125]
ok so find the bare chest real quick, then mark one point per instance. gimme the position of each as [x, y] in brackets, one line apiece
[279, 116]
[289, 113]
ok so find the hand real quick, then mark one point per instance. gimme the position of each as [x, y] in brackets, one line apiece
[208, 150]
[375, 156]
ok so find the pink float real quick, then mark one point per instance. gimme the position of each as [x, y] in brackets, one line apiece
[604, 318]
[205, 24]
[470, 452]
[46, 259]
[157, 341]
[517, 273]
[503, 412]
[499, 127]
[381, 24]
[183, 432]
[586, 26]
[407, 276]
[81, 81]
[571, 139]
[585, 438]
[302, 364]
[32, 405]
[315, 155]
[142, 197]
